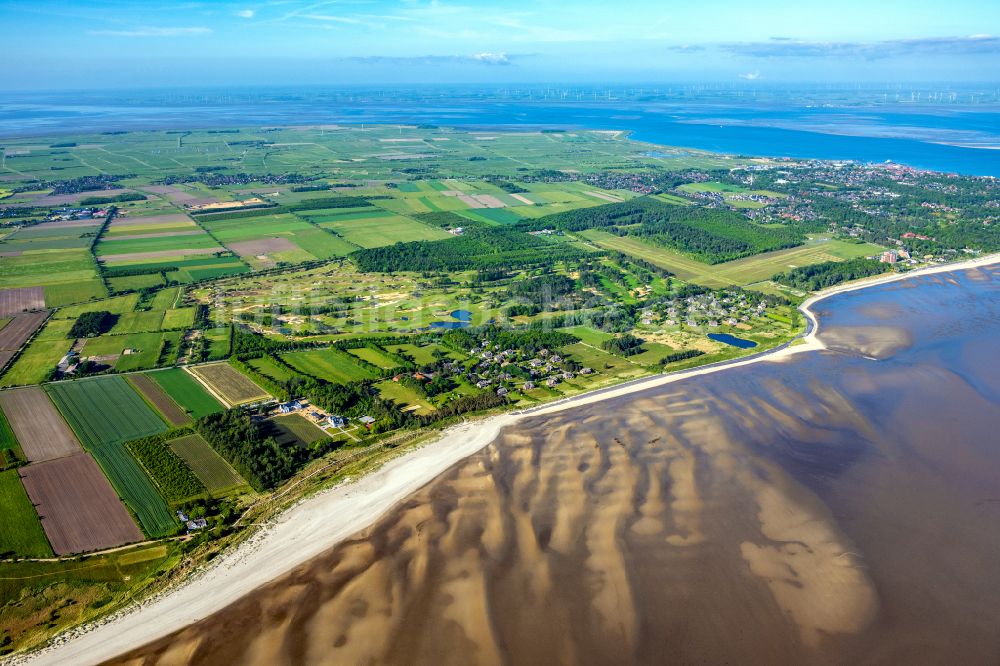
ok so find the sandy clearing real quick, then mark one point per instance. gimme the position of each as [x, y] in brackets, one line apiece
[523, 199]
[329, 517]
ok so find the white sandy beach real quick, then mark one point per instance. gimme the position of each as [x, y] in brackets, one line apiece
[321, 521]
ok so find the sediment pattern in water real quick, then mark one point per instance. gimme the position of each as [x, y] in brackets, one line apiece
[838, 507]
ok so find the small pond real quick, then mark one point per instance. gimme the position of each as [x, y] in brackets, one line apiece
[732, 340]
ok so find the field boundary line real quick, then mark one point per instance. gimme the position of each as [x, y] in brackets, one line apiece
[225, 403]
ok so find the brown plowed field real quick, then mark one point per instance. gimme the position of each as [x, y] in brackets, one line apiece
[80, 511]
[38, 426]
[159, 399]
[252, 248]
[158, 254]
[13, 301]
[17, 330]
[170, 219]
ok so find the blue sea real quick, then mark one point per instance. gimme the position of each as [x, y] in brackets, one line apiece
[954, 132]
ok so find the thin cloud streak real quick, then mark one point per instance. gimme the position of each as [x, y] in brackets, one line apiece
[784, 47]
[153, 31]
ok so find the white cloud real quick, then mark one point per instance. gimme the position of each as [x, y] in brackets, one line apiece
[751, 76]
[492, 58]
[246, 13]
[153, 31]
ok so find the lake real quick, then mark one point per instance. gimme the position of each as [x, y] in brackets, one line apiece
[831, 507]
[732, 340]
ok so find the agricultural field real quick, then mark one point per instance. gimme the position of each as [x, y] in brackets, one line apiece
[384, 230]
[105, 412]
[294, 430]
[79, 509]
[65, 275]
[228, 384]
[405, 398]
[38, 427]
[16, 331]
[374, 356]
[186, 391]
[424, 354]
[271, 369]
[36, 362]
[173, 478]
[134, 351]
[329, 364]
[14, 301]
[212, 470]
[174, 414]
[21, 532]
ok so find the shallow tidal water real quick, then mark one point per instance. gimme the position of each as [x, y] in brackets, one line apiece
[834, 507]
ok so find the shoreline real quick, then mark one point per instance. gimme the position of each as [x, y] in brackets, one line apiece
[321, 521]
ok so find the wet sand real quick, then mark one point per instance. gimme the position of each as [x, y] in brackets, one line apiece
[841, 506]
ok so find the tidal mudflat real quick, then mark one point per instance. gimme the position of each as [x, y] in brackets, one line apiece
[839, 506]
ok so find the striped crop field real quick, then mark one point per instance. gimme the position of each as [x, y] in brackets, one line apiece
[105, 412]
[210, 468]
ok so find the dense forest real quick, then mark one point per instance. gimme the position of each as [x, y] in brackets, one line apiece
[476, 248]
[827, 274]
[260, 460]
[712, 235]
[92, 324]
[529, 340]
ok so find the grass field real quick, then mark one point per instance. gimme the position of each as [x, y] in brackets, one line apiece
[210, 468]
[62, 593]
[373, 356]
[404, 396]
[731, 273]
[295, 430]
[228, 383]
[386, 230]
[329, 364]
[173, 413]
[105, 412]
[425, 354]
[269, 368]
[146, 349]
[37, 361]
[21, 532]
[186, 391]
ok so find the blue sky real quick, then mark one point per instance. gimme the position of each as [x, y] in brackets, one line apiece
[49, 44]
